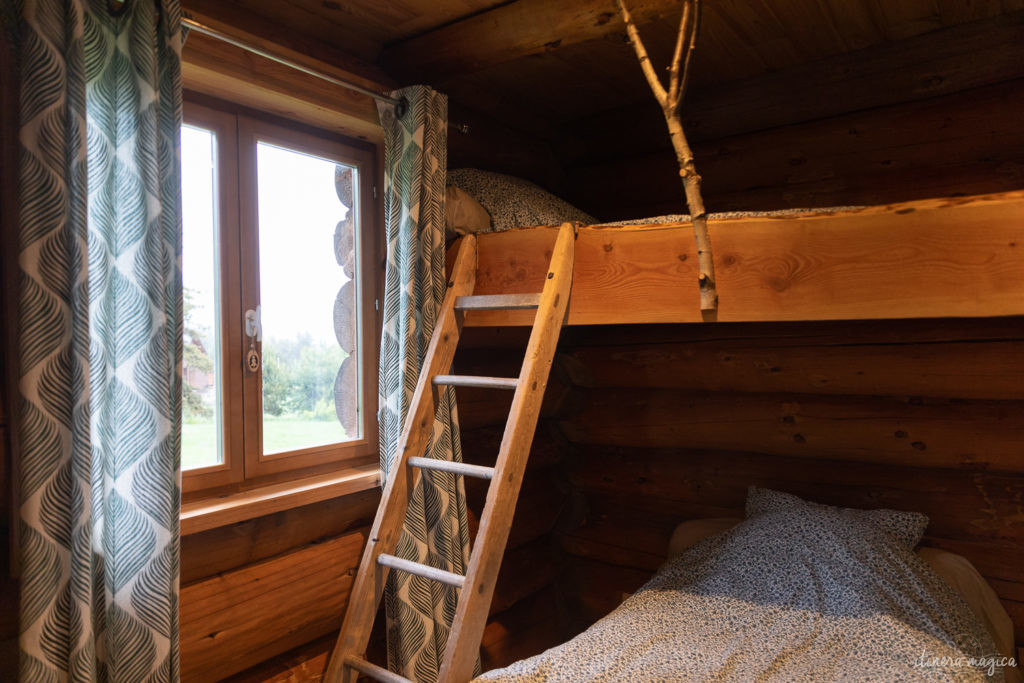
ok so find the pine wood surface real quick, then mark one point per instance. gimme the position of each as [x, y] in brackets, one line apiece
[235, 620]
[941, 257]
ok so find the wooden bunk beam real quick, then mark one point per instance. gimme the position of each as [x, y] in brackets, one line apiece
[952, 257]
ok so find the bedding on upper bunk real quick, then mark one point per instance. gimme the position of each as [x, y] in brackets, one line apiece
[510, 202]
[797, 591]
[484, 201]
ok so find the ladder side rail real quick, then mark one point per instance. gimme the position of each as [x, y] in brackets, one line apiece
[367, 589]
[492, 535]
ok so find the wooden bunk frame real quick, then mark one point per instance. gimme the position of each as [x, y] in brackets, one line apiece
[949, 257]
[955, 257]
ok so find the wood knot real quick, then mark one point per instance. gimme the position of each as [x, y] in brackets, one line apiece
[603, 18]
[682, 257]
[788, 420]
[553, 45]
[918, 446]
[909, 209]
[608, 246]
[799, 438]
[779, 284]
[900, 434]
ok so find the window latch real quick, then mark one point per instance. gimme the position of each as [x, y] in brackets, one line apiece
[254, 331]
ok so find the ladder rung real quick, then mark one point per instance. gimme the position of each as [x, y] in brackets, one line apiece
[473, 381]
[373, 671]
[477, 471]
[421, 570]
[497, 302]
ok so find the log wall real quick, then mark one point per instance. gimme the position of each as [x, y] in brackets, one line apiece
[934, 115]
[674, 423]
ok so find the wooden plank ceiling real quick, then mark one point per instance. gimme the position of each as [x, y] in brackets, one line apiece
[537, 66]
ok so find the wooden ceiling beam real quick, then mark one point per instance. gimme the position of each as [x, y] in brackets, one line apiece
[512, 31]
[213, 67]
[272, 36]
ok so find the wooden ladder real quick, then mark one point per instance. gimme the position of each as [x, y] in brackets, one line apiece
[477, 586]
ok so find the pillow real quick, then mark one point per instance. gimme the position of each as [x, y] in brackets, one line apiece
[906, 528]
[514, 202]
[463, 214]
[955, 570]
[694, 531]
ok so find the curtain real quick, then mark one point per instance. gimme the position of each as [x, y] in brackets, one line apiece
[419, 611]
[100, 346]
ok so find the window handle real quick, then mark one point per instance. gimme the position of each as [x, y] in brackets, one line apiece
[254, 331]
[254, 324]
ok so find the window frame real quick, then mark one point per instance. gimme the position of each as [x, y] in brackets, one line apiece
[252, 131]
[223, 124]
[239, 130]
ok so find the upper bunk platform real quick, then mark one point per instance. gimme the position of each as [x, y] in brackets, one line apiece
[950, 257]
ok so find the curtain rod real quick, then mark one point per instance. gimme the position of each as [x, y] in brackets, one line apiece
[400, 104]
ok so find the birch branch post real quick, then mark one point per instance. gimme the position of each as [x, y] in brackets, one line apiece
[670, 100]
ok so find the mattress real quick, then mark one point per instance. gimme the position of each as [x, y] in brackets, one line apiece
[794, 593]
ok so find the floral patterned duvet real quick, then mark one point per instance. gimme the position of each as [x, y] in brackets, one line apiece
[797, 592]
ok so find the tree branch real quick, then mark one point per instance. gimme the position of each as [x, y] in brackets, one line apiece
[641, 54]
[686, 42]
[675, 94]
[694, 30]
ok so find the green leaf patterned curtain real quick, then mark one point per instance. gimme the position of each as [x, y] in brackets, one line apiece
[100, 347]
[419, 611]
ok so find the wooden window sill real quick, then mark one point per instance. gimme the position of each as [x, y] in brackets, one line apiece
[210, 513]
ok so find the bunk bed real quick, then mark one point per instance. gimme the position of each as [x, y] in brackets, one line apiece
[797, 586]
[707, 612]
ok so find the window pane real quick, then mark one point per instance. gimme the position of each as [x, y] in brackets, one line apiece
[201, 440]
[308, 299]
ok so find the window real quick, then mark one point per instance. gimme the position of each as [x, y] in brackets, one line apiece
[279, 267]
